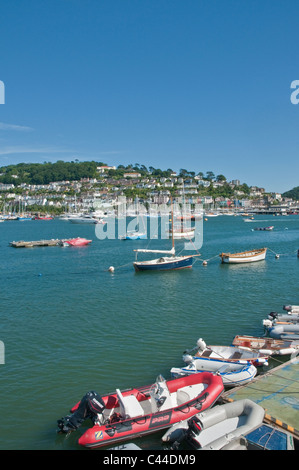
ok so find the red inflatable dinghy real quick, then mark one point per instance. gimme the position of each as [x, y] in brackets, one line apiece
[144, 410]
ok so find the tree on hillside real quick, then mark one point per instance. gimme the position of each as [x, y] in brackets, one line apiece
[292, 193]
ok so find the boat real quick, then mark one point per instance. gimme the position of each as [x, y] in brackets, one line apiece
[24, 217]
[144, 410]
[86, 219]
[164, 263]
[181, 234]
[211, 214]
[134, 236]
[269, 346]
[291, 308]
[281, 318]
[77, 241]
[220, 355]
[218, 427]
[288, 331]
[231, 375]
[244, 257]
[264, 229]
[46, 217]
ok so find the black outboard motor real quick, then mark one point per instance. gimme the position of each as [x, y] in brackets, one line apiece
[90, 406]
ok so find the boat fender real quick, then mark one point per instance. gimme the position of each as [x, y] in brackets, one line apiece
[201, 344]
[267, 352]
[267, 323]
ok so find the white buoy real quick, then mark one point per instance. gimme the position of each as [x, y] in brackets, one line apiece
[111, 269]
[205, 263]
[276, 256]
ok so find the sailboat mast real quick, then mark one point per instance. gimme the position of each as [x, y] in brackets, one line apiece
[172, 237]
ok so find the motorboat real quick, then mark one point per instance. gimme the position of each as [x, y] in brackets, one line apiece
[77, 241]
[220, 355]
[292, 317]
[139, 411]
[134, 236]
[86, 219]
[264, 229]
[244, 256]
[232, 375]
[269, 346]
[216, 428]
[291, 308]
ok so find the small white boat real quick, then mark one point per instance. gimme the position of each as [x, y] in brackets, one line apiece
[134, 236]
[220, 355]
[281, 318]
[270, 346]
[231, 374]
[244, 256]
[288, 331]
[216, 428]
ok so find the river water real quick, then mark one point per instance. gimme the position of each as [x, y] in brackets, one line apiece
[69, 325]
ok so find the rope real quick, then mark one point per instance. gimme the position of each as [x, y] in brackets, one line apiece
[282, 254]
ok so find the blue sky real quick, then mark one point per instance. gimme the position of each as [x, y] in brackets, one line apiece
[202, 85]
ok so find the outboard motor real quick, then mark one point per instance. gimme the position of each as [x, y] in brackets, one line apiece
[90, 406]
[201, 344]
[273, 315]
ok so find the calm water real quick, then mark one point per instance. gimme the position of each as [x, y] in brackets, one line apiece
[70, 326]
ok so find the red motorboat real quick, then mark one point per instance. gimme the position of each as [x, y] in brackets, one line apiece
[144, 410]
[78, 241]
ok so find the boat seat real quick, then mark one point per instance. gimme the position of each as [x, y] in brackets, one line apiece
[129, 405]
[236, 355]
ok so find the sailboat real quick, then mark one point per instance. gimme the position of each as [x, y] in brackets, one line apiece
[164, 263]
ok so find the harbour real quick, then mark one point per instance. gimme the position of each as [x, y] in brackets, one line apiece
[69, 325]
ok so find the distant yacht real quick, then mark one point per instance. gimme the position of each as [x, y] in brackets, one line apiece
[86, 219]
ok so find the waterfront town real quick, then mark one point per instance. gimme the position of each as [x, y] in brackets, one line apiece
[101, 186]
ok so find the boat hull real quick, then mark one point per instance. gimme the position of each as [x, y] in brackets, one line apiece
[133, 427]
[164, 264]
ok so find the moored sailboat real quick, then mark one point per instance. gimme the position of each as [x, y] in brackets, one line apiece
[164, 263]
